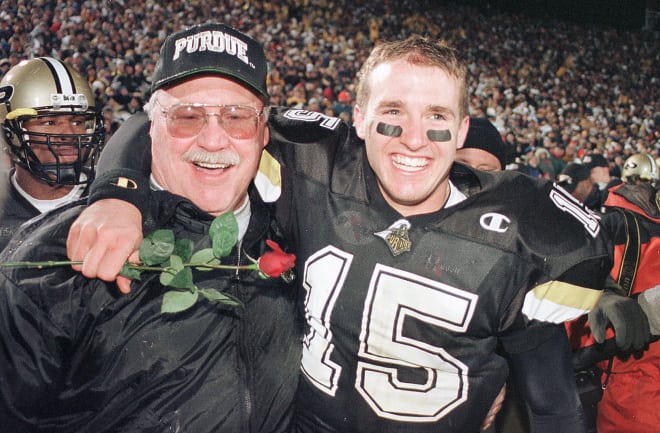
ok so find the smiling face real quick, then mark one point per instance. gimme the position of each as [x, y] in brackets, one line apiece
[412, 169]
[212, 168]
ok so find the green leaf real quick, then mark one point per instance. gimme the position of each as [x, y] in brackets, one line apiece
[127, 271]
[174, 265]
[184, 249]
[215, 295]
[183, 279]
[224, 234]
[157, 247]
[175, 301]
[204, 256]
[177, 275]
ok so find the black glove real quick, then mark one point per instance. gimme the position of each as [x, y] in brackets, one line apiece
[631, 326]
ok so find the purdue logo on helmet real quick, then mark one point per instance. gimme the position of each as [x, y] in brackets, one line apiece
[640, 167]
[49, 121]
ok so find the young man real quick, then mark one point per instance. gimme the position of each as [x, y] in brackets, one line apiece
[414, 271]
[78, 358]
[53, 135]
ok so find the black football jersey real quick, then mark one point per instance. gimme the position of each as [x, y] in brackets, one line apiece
[408, 319]
[404, 315]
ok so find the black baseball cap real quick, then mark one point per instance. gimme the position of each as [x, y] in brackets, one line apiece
[212, 48]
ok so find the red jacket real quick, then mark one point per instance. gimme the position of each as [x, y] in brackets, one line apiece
[631, 400]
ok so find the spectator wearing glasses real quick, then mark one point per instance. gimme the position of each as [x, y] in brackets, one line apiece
[82, 358]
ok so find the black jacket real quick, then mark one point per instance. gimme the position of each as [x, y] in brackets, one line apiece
[77, 356]
[15, 209]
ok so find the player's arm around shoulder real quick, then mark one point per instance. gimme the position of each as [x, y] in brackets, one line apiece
[566, 245]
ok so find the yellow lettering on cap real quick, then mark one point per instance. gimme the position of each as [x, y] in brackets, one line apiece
[124, 182]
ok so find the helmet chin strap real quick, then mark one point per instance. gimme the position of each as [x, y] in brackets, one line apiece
[63, 174]
[439, 135]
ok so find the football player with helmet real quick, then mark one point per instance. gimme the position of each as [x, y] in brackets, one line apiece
[415, 270]
[640, 168]
[52, 134]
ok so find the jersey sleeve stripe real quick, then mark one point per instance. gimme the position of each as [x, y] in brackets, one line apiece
[268, 179]
[557, 302]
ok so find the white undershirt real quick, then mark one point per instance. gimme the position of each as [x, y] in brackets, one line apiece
[455, 196]
[46, 205]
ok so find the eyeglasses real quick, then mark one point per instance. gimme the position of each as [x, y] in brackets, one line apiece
[187, 120]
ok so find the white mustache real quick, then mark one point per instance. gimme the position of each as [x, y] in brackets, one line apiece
[222, 157]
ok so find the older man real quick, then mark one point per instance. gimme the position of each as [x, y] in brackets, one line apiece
[78, 358]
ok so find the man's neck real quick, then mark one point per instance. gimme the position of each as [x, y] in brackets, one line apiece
[38, 188]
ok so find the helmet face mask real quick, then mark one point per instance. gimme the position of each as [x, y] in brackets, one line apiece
[61, 158]
[640, 167]
[49, 121]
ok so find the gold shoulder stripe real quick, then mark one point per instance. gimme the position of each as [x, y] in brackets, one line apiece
[268, 179]
[557, 302]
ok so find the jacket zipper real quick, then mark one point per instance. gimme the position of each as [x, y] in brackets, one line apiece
[243, 356]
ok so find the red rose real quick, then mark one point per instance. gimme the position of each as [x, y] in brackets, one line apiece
[273, 263]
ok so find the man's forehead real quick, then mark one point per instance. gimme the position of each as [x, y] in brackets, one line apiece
[392, 88]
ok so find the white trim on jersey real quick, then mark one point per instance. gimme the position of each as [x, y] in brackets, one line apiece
[557, 302]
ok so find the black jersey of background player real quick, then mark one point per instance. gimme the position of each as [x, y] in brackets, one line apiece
[404, 315]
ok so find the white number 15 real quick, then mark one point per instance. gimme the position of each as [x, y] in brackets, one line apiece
[394, 296]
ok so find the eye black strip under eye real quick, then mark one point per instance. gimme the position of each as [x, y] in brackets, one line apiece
[389, 130]
[439, 134]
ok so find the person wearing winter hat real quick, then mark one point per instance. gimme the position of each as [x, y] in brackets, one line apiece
[484, 148]
[576, 180]
[599, 170]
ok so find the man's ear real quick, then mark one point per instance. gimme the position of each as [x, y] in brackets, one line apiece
[463, 128]
[266, 139]
[359, 121]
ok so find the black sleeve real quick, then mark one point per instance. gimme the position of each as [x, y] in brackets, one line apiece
[125, 164]
[30, 358]
[546, 381]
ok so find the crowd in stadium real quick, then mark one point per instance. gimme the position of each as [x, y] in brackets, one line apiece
[544, 83]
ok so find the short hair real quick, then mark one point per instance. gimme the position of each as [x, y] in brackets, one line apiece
[417, 50]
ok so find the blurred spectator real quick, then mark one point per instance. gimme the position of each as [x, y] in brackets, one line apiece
[543, 82]
[530, 163]
[343, 107]
[575, 179]
[4, 66]
[599, 169]
[545, 163]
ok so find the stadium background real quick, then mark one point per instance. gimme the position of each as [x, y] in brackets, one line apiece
[579, 75]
